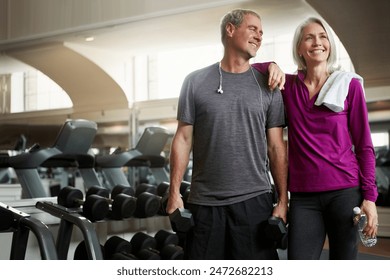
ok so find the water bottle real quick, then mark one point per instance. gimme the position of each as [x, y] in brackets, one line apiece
[360, 220]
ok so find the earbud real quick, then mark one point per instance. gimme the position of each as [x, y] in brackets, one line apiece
[220, 90]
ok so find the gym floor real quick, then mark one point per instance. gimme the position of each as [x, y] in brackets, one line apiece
[381, 251]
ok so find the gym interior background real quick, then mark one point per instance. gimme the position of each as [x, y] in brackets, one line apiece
[120, 65]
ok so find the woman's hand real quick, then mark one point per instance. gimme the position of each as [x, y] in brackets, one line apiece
[276, 77]
[369, 208]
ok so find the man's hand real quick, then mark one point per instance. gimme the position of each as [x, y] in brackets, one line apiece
[280, 211]
[174, 201]
[276, 78]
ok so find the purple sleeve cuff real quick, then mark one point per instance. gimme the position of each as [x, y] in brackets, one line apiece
[262, 67]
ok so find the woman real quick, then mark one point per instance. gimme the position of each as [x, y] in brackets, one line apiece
[331, 155]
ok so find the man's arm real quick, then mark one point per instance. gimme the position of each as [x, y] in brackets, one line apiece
[277, 153]
[179, 157]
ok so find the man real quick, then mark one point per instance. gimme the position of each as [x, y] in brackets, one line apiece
[233, 124]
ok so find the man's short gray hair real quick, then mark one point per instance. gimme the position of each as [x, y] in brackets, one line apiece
[234, 17]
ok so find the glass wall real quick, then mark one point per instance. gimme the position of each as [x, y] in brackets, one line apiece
[33, 91]
[380, 139]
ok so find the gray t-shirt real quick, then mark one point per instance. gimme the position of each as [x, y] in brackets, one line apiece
[230, 162]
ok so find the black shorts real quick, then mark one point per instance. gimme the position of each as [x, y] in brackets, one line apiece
[231, 232]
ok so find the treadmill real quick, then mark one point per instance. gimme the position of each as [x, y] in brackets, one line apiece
[71, 149]
[147, 153]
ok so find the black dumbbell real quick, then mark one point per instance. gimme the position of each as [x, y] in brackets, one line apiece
[162, 188]
[117, 248]
[122, 203]
[181, 220]
[172, 252]
[144, 246]
[164, 244]
[167, 244]
[122, 189]
[145, 187]
[277, 231]
[81, 252]
[97, 190]
[185, 189]
[163, 191]
[184, 186]
[164, 237]
[94, 207]
[148, 202]
[185, 197]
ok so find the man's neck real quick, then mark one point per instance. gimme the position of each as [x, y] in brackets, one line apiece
[234, 65]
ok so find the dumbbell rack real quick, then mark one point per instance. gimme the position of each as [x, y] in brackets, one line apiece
[70, 217]
[21, 224]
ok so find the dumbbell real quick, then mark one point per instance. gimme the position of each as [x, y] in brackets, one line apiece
[181, 222]
[181, 219]
[186, 194]
[163, 188]
[185, 188]
[81, 252]
[277, 231]
[120, 188]
[122, 202]
[94, 207]
[97, 190]
[168, 245]
[163, 191]
[117, 248]
[144, 246]
[164, 243]
[145, 187]
[164, 237]
[148, 203]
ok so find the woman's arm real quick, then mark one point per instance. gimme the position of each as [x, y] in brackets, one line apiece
[276, 77]
[365, 154]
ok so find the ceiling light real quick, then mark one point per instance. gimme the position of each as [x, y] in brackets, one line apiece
[89, 39]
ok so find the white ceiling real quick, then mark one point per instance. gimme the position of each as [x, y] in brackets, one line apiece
[190, 28]
[362, 26]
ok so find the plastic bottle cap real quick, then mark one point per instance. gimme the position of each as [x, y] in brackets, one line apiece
[356, 210]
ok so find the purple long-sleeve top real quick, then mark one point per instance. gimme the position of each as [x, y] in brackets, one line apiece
[327, 150]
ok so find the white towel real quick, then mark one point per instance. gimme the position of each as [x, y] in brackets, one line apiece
[335, 90]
